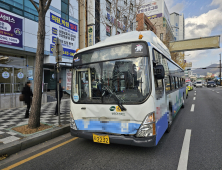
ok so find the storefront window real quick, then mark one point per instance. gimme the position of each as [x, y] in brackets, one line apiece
[13, 73]
[20, 78]
[30, 61]
[15, 61]
[6, 79]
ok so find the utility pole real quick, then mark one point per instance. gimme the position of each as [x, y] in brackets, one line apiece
[220, 69]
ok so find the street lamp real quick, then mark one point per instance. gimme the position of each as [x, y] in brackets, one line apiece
[220, 69]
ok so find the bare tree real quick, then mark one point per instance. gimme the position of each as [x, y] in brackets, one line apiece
[34, 120]
[177, 57]
[121, 14]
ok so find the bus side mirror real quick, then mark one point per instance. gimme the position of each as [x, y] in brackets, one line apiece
[159, 72]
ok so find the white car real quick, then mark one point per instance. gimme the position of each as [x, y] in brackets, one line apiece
[199, 84]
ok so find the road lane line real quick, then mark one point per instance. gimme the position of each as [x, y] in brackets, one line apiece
[194, 93]
[194, 98]
[39, 154]
[212, 90]
[192, 108]
[185, 151]
[218, 92]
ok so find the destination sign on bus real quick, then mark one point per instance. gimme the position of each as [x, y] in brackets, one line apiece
[111, 53]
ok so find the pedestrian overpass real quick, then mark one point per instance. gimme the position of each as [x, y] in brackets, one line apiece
[201, 43]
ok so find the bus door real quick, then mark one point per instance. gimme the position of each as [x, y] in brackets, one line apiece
[83, 81]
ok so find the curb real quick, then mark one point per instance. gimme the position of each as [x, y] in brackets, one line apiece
[16, 146]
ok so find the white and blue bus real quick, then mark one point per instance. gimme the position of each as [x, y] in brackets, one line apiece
[125, 90]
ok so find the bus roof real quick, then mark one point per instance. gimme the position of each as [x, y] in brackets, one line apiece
[148, 36]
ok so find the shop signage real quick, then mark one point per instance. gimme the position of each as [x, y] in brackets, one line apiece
[20, 75]
[91, 12]
[155, 16]
[68, 79]
[10, 30]
[5, 75]
[152, 8]
[90, 36]
[30, 74]
[66, 32]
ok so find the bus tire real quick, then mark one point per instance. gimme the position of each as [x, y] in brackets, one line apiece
[183, 101]
[170, 121]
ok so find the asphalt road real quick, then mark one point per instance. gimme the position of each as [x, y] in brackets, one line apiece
[202, 116]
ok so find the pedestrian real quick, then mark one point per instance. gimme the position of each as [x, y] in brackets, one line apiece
[27, 93]
[60, 96]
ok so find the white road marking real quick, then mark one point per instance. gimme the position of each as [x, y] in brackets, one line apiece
[194, 93]
[192, 108]
[218, 92]
[185, 151]
[194, 98]
[212, 90]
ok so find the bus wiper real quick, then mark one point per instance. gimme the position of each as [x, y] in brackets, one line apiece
[119, 102]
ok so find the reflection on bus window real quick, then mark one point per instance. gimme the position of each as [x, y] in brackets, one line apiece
[172, 82]
[128, 79]
[159, 88]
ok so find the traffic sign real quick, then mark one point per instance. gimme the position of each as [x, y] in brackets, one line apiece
[58, 50]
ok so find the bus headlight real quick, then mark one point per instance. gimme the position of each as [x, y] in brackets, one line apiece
[148, 127]
[72, 122]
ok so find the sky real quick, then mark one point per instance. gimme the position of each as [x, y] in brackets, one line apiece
[202, 18]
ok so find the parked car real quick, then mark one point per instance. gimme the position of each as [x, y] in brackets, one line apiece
[211, 84]
[189, 86]
[199, 84]
[194, 84]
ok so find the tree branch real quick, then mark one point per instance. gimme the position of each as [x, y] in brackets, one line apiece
[47, 6]
[33, 3]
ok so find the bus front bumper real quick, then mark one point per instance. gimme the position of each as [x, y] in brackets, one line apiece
[118, 139]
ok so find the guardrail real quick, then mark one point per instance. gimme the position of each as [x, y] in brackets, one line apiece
[10, 92]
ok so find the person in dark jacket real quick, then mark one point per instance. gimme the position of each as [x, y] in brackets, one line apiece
[27, 92]
[60, 96]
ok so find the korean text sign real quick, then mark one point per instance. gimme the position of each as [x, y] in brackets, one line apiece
[10, 30]
[66, 32]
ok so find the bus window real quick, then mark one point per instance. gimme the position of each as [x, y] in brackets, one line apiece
[176, 82]
[181, 82]
[167, 83]
[172, 83]
[159, 88]
[155, 56]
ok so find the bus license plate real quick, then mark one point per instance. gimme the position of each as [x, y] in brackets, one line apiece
[101, 139]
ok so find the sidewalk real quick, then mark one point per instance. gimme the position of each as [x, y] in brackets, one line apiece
[15, 117]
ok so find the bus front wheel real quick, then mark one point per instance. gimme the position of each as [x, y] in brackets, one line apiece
[183, 103]
[169, 122]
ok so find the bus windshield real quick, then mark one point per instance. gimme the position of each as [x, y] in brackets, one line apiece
[124, 80]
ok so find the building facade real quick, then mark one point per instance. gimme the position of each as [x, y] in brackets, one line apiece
[18, 42]
[158, 14]
[100, 19]
[177, 22]
[143, 23]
